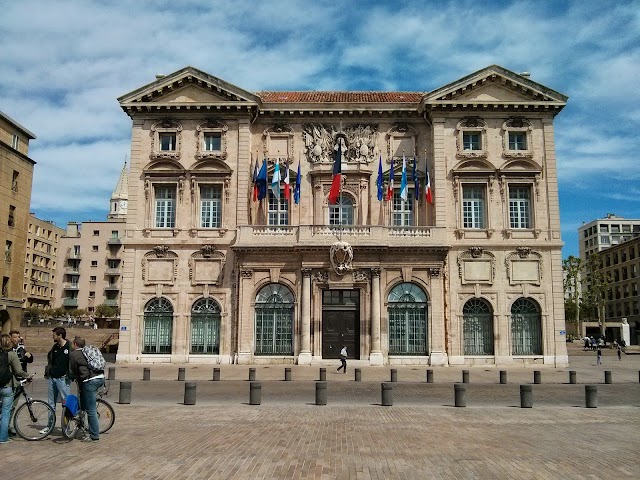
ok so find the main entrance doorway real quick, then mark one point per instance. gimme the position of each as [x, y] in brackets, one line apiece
[340, 323]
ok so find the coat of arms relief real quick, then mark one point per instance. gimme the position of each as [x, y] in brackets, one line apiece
[358, 142]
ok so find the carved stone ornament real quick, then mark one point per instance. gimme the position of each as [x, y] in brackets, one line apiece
[401, 138]
[212, 127]
[274, 136]
[320, 276]
[246, 273]
[434, 271]
[523, 252]
[476, 252]
[524, 266]
[160, 266]
[157, 129]
[306, 272]
[362, 141]
[161, 251]
[206, 266]
[362, 275]
[341, 256]
[476, 265]
[375, 272]
[358, 142]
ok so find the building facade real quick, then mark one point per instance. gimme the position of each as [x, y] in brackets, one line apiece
[602, 233]
[16, 176]
[90, 257]
[41, 263]
[471, 275]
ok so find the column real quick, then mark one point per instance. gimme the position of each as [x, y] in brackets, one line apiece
[304, 357]
[245, 322]
[438, 351]
[375, 358]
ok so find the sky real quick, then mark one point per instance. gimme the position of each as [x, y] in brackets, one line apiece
[63, 64]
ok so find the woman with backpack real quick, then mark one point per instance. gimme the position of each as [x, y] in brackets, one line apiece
[84, 369]
[9, 367]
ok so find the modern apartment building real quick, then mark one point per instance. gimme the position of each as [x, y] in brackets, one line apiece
[41, 262]
[16, 176]
[605, 232]
[468, 274]
[90, 257]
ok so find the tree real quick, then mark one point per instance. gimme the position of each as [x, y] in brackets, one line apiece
[105, 311]
[572, 266]
[598, 286]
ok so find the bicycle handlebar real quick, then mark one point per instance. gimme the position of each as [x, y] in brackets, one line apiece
[24, 381]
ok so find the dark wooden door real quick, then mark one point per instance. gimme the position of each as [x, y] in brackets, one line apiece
[340, 327]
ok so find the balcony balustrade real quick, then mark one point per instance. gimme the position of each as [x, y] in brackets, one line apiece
[72, 271]
[112, 287]
[71, 286]
[69, 302]
[109, 302]
[114, 241]
[112, 271]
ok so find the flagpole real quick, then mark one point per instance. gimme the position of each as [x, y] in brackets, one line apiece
[340, 194]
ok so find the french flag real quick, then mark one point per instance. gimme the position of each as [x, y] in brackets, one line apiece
[390, 188]
[287, 183]
[337, 176]
[428, 193]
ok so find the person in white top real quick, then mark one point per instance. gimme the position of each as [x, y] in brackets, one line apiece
[343, 359]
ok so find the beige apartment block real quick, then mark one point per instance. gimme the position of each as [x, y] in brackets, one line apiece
[90, 257]
[16, 176]
[41, 263]
[472, 278]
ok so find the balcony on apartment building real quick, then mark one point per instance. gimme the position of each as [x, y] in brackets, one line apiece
[69, 302]
[71, 286]
[325, 235]
[72, 255]
[111, 287]
[111, 302]
[112, 271]
[71, 270]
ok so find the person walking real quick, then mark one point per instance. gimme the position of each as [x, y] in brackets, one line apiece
[18, 347]
[57, 369]
[343, 359]
[599, 355]
[9, 368]
[89, 382]
[619, 351]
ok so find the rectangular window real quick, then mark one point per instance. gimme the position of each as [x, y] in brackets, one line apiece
[94, 263]
[15, 141]
[342, 212]
[402, 215]
[213, 142]
[5, 286]
[167, 142]
[114, 235]
[471, 141]
[92, 278]
[473, 206]
[12, 216]
[165, 206]
[96, 233]
[520, 207]
[14, 182]
[517, 141]
[604, 239]
[604, 228]
[278, 209]
[94, 248]
[210, 206]
[7, 250]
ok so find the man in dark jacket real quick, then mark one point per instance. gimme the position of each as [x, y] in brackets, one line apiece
[89, 382]
[57, 371]
[18, 347]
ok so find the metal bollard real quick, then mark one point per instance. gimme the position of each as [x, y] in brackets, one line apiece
[394, 374]
[526, 396]
[146, 374]
[429, 376]
[112, 373]
[503, 377]
[537, 376]
[190, 393]
[358, 375]
[321, 393]
[125, 393]
[181, 374]
[465, 376]
[572, 376]
[252, 374]
[216, 374]
[255, 393]
[591, 396]
[323, 374]
[460, 395]
[607, 376]
[287, 374]
[387, 394]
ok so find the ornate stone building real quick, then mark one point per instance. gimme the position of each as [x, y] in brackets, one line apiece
[473, 277]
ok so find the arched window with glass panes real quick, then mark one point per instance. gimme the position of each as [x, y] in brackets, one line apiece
[274, 320]
[205, 326]
[342, 212]
[158, 326]
[526, 328]
[477, 319]
[407, 309]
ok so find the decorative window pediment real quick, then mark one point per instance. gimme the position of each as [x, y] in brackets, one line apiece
[401, 140]
[212, 140]
[160, 266]
[476, 266]
[471, 138]
[206, 266]
[474, 166]
[166, 140]
[516, 138]
[278, 141]
[524, 267]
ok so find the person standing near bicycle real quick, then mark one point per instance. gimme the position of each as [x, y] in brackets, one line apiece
[9, 368]
[18, 347]
[57, 369]
[89, 382]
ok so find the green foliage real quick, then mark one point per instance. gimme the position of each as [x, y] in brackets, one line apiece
[106, 311]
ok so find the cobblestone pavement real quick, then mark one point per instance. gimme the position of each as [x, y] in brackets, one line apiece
[421, 436]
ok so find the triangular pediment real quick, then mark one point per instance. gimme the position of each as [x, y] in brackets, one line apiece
[188, 86]
[493, 85]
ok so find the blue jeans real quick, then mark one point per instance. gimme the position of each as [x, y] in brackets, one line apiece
[88, 395]
[7, 402]
[57, 387]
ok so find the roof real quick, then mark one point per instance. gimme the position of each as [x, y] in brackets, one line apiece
[10, 120]
[340, 97]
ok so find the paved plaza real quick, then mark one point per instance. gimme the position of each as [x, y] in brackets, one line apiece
[421, 436]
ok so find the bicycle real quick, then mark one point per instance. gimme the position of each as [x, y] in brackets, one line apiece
[74, 419]
[34, 419]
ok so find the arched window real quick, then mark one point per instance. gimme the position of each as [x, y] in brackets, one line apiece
[477, 318]
[526, 328]
[158, 324]
[342, 212]
[205, 326]
[274, 320]
[407, 320]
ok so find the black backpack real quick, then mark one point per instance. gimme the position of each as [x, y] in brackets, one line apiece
[6, 375]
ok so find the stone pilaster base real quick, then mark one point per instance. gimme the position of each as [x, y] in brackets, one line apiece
[376, 359]
[244, 359]
[304, 358]
[438, 358]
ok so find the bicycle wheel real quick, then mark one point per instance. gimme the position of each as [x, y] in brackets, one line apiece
[106, 415]
[34, 420]
[69, 426]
